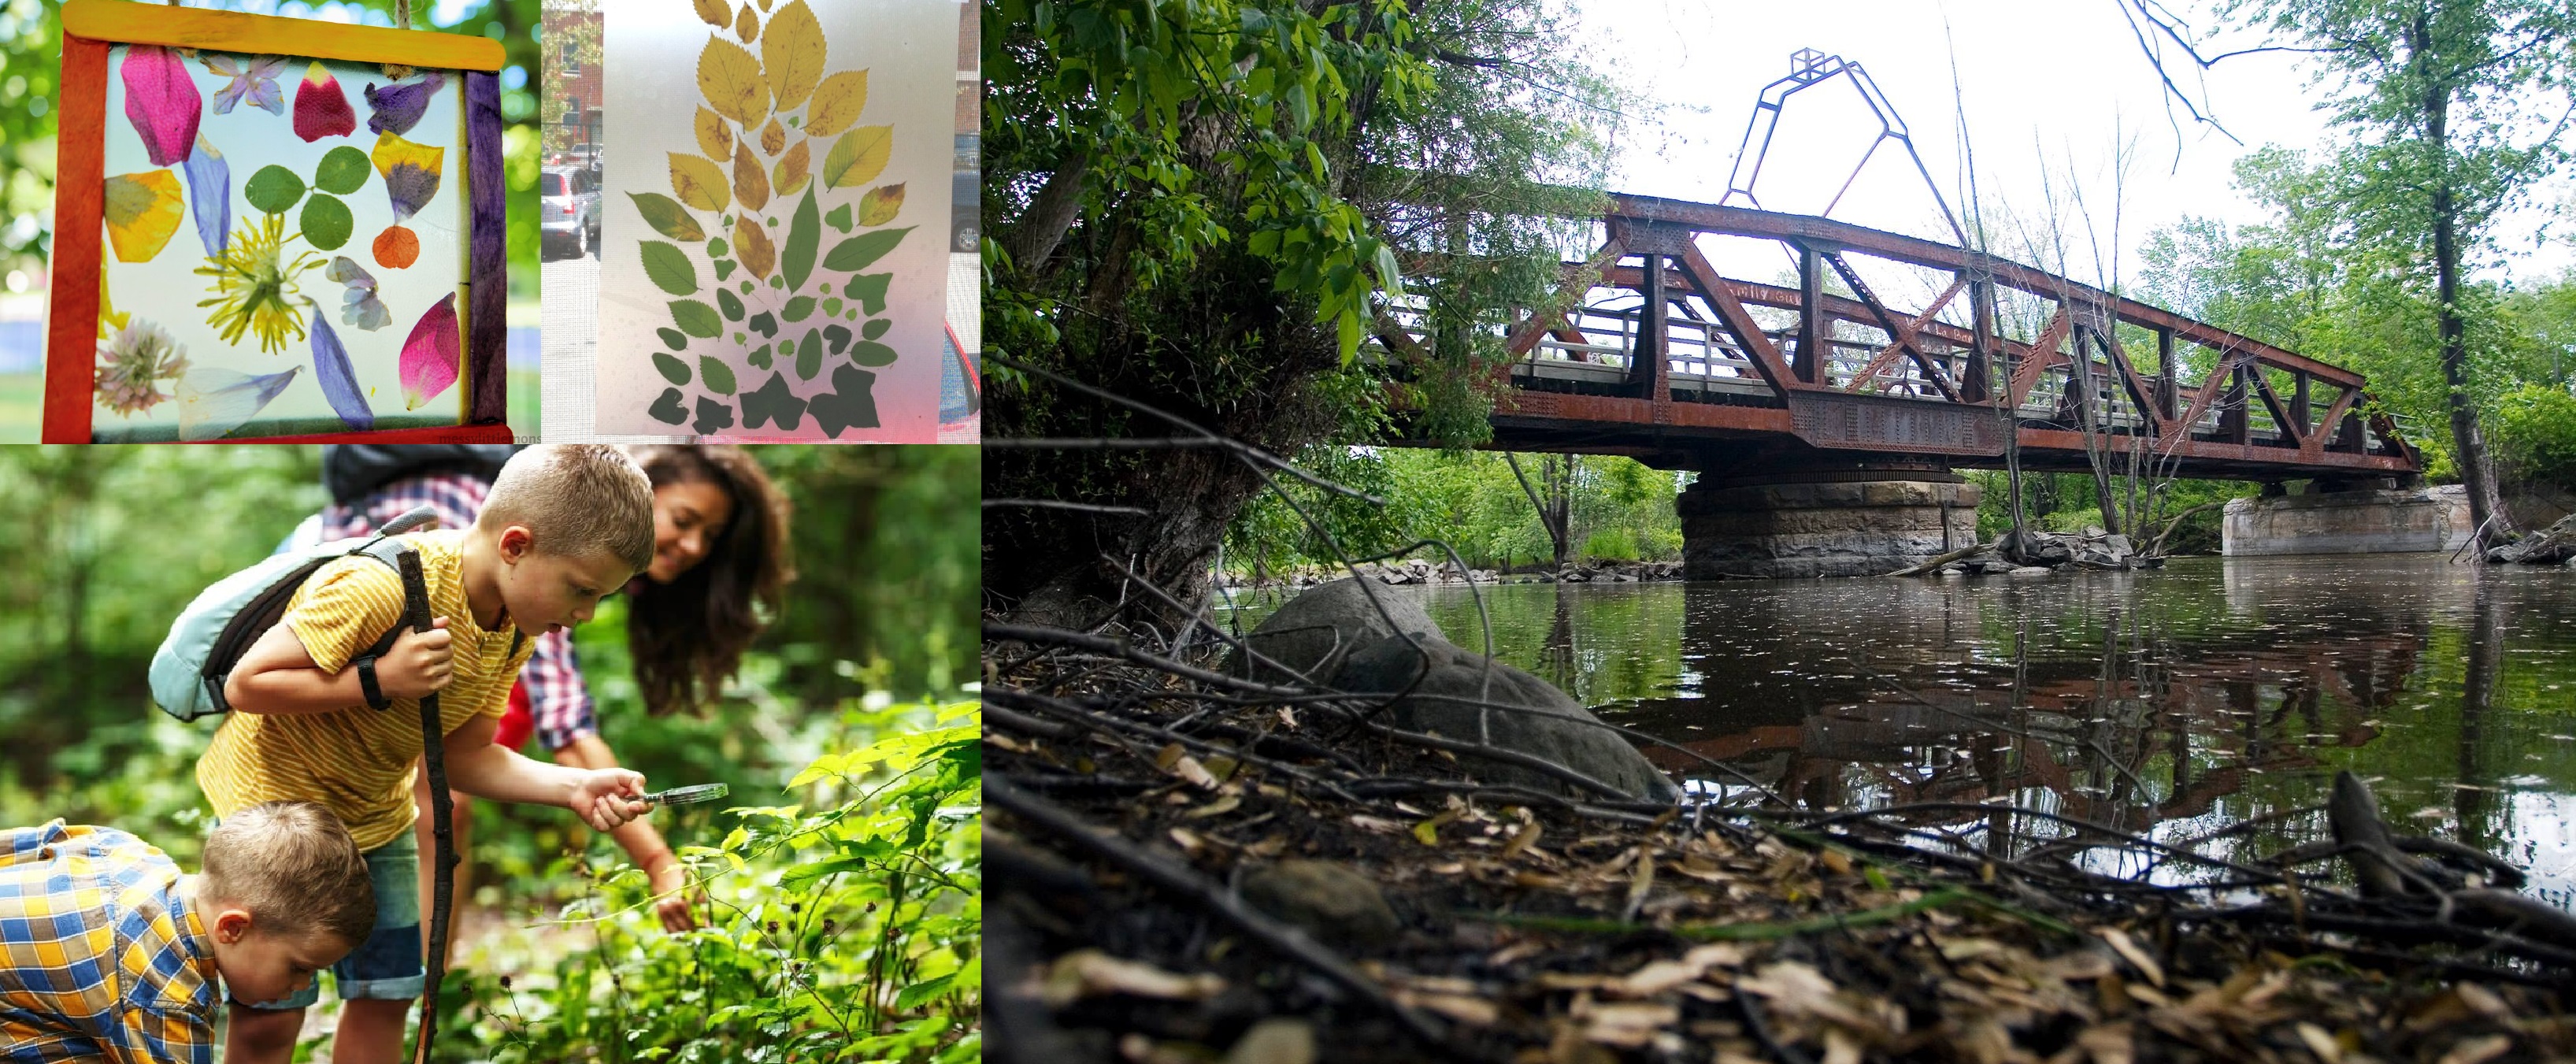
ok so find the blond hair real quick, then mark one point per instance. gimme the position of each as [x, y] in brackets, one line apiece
[576, 499]
[295, 868]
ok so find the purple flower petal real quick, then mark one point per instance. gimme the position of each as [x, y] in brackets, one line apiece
[398, 107]
[210, 192]
[339, 382]
[162, 102]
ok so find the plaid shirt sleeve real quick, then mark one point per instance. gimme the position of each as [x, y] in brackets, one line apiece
[558, 700]
[455, 496]
[103, 960]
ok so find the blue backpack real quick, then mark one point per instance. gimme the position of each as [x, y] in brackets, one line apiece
[221, 624]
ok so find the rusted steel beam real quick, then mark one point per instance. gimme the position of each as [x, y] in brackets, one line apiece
[2294, 428]
[2139, 391]
[2201, 399]
[1902, 341]
[2039, 358]
[1527, 336]
[1522, 406]
[1887, 323]
[2332, 424]
[1815, 329]
[1748, 332]
[1741, 221]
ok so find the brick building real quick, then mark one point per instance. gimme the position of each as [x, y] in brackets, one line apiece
[571, 40]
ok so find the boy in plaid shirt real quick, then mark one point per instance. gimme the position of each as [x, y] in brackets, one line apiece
[110, 953]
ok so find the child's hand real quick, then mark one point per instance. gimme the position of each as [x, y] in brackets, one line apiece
[603, 797]
[419, 663]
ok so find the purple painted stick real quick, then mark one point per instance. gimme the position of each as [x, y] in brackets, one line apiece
[487, 272]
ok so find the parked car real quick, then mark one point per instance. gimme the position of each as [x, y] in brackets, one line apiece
[568, 214]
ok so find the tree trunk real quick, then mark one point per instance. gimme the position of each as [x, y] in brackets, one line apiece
[2485, 504]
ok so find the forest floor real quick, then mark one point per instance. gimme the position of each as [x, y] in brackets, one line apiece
[1190, 873]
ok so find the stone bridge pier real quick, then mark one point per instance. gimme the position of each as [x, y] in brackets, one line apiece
[2353, 516]
[1864, 520]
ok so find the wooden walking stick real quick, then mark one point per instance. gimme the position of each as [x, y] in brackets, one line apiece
[442, 813]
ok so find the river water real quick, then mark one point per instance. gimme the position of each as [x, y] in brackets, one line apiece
[2171, 702]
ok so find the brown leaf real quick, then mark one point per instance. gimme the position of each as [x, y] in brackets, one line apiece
[1528, 834]
[1219, 807]
[1090, 972]
[772, 137]
[714, 137]
[2145, 964]
[1629, 1025]
[751, 245]
[750, 179]
[1659, 976]
[2478, 1050]
[881, 204]
[2109, 1044]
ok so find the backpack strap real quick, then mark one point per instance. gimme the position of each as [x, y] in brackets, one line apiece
[415, 605]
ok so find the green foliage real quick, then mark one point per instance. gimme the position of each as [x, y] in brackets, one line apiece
[2535, 433]
[852, 932]
[1619, 509]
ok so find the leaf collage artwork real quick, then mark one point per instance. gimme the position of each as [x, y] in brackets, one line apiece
[317, 288]
[774, 234]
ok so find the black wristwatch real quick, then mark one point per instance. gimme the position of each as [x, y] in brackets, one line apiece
[367, 682]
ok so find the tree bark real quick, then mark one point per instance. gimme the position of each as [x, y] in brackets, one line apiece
[1058, 203]
[2469, 445]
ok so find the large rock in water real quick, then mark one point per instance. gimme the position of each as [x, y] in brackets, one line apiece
[1454, 679]
[1322, 628]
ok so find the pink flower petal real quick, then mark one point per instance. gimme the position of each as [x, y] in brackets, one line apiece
[162, 102]
[321, 109]
[430, 355]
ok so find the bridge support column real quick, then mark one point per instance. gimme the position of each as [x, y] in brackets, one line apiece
[2368, 518]
[1843, 523]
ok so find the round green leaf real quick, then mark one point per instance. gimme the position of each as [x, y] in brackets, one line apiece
[731, 306]
[673, 370]
[876, 328]
[798, 308]
[342, 171]
[746, 284]
[670, 268]
[724, 269]
[719, 377]
[760, 358]
[673, 337]
[872, 353]
[325, 221]
[716, 248]
[696, 319]
[274, 189]
[831, 306]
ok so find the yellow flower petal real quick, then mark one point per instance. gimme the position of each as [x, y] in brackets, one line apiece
[142, 210]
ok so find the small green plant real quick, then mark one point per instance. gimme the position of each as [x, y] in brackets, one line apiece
[851, 932]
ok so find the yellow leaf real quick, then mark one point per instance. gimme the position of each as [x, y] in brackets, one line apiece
[730, 79]
[700, 183]
[880, 204]
[750, 181]
[713, 11]
[142, 210]
[746, 25]
[714, 137]
[793, 48]
[751, 245]
[858, 157]
[837, 103]
[772, 137]
[791, 172]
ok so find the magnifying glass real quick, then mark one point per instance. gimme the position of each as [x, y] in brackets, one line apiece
[704, 792]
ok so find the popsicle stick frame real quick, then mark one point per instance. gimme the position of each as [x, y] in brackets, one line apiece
[316, 285]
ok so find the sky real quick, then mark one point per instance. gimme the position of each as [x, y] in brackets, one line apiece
[2050, 89]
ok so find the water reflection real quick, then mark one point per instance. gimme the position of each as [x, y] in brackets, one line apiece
[2174, 703]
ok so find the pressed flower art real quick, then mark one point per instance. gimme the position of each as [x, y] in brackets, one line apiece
[760, 274]
[312, 238]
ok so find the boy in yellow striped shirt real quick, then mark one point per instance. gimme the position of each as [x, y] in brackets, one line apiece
[563, 526]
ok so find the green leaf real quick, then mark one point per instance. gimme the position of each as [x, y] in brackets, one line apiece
[760, 357]
[325, 222]
[716, 248]
[839, 218]
[724, 269]
[717, 375]
[871, 353]
[667, 217]
[876, 328]
[869, 290]
[731, 306]
[274, 189]
[696, 319]
[674, 337]
[804, 235]
[858, 251]
[912, 997]
[809, 355]
[668, 408]
[670, 268]
[798, 308]
[342, 171]
[673, 370]
[832, 306]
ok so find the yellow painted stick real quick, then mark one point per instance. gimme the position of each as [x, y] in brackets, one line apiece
[125, 22]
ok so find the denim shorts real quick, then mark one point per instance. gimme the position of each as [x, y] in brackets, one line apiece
[387, 965]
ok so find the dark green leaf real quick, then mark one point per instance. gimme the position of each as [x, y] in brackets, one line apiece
[763, 324]
[727, 302]
[759, 357]
[673, 370]
[274, 189]
[804, 235]
[871, 353]
[342, 171]
[798, 308]
[859, 251]
[325, 222]
[668, 409]
[712, 416]
[809, 355]
[876, 328]
[718, 376]
[772, 403]
[675, 338]
[869, 290]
